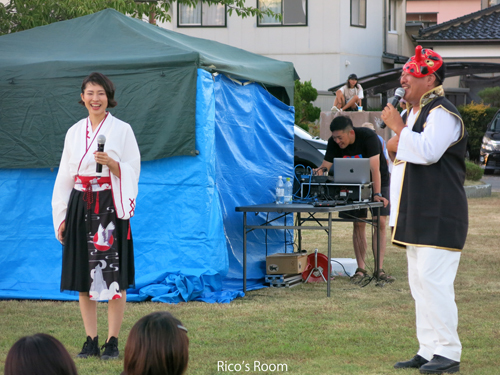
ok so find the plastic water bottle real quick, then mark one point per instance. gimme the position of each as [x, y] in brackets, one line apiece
[288, 191]
[280, 191]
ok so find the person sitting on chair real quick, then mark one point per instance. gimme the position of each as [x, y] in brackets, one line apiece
[349, 96]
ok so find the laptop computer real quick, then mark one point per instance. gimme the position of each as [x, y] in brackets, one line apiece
[351, 170]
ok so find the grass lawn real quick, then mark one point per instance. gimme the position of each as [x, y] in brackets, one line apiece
[300, 330]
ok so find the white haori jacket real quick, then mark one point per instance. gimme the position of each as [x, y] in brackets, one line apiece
[78, 159]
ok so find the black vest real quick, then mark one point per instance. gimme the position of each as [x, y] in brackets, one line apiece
[433, 210]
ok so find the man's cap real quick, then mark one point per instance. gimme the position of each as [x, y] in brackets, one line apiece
[424, 63]
[353, 76]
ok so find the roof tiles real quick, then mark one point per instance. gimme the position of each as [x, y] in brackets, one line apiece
[481, 25]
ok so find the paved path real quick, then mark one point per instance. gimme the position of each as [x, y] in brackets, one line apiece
[493, 180]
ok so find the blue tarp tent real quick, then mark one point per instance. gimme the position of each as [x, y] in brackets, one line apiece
[187, 235]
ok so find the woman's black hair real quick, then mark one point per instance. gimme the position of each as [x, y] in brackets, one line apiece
[440, 74]
[101, 80]
[352, 76]
[39, 354]
[157, 344]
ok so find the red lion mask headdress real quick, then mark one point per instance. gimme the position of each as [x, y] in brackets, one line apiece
[424, 63]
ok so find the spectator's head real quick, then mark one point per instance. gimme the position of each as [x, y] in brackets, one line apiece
[423, 72]
[352, 80]
[342, 131]
[157, 345]
[402, 104]
[39, 354]
[368, 125]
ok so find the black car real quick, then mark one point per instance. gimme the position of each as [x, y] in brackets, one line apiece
[489, 156]
[309, 151]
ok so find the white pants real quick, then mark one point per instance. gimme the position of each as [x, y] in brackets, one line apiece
[431, 274]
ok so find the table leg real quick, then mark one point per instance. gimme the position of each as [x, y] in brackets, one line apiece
[300, 232]
[377, 262]
[329, 254]
[244, 252]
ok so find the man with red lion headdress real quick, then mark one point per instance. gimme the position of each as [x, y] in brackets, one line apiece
[432, 216]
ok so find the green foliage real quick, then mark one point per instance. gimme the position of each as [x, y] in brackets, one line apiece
[305, 111]
[476, 118]
[473, 172]
[19, 15]
[491, 96]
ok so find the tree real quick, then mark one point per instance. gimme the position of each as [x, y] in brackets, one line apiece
[491, 96]
[305, 111]
[18, 15]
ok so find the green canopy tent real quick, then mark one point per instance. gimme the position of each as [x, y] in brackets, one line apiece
[154, 69]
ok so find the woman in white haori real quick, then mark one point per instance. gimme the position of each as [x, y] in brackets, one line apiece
[91, 212]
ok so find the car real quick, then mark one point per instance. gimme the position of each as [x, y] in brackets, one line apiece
[489, 155]
[308, 151]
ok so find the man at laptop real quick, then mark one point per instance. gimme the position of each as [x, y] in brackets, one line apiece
[350, 142]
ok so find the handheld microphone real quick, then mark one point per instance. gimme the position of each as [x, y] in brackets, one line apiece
[400, 92]
[101, 139]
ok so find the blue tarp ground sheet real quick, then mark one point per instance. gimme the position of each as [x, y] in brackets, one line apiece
[187, 235]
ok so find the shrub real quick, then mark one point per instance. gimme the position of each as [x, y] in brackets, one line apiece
[476, 118]
[491, 96]
[305, 111]
[473, 172]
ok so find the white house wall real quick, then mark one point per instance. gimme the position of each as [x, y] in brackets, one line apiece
[325, 52]
[468, 52]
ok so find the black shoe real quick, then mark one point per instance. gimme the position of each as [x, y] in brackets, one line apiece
[440, 365]
[415, 362]
[110, 349]
[90, 348]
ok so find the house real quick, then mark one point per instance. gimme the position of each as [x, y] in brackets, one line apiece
[326, 40]
[472, 38]
[432, 12]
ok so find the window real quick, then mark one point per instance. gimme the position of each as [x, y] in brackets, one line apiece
[203, 15]
[294, 12]
[392, 15]
[358, 13]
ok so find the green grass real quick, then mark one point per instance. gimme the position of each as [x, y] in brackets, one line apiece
[355, 331]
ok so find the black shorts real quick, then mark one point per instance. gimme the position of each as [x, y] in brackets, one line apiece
[363, 213]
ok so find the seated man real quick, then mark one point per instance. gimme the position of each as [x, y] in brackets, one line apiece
[349, 96]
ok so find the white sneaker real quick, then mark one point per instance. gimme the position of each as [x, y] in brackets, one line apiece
[335, 109]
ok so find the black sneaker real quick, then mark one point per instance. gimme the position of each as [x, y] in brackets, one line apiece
[90, 348]
[110, 349]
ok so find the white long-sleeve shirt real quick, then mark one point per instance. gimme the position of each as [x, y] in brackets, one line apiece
[78, 159]
[441, 130]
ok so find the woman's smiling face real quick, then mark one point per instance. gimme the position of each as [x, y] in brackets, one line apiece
[95, 99]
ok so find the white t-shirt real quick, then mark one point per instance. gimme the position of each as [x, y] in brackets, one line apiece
[349, 93]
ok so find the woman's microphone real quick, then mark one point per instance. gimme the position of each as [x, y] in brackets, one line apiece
[400, 93]
[101, 140]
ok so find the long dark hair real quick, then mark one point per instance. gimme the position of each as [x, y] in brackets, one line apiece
[157, 345]
[40, 354]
